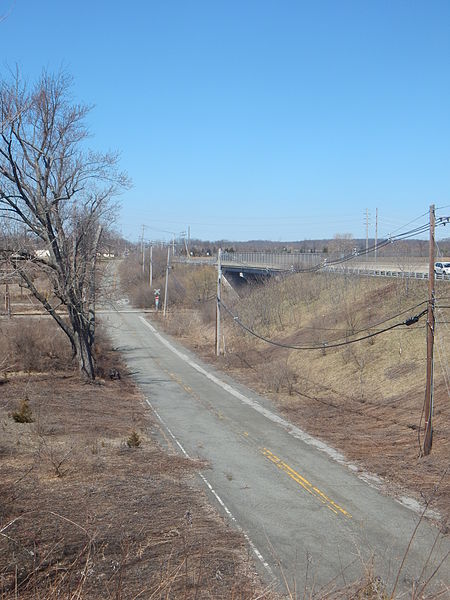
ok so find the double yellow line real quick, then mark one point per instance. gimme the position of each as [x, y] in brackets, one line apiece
[305, 484]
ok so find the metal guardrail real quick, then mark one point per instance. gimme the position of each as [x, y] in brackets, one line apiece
[280, 261]
[383, 273]
[292, 262]
[201, 260]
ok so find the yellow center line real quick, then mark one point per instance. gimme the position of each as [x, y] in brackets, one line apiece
[305, 484]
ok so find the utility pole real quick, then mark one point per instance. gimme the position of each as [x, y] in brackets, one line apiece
[428, 439]
[367, 234]
[167, 281]
[219, 285]
[151, 266]
[189, 239]
[143, 249]
[376, 235]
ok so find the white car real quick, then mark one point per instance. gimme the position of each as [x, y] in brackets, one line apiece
[442, 268]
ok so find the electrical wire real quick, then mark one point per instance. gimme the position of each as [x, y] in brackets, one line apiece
[370, 327]
[444, 366]
[391, 239]
[442, 355]
[323, 345]
[409, 223]
[439, 308]
[375, 247]
[399, 314]
[439, 251]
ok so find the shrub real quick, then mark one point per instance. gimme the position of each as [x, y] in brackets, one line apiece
[134, 440]
[38, 346]
[24, 413]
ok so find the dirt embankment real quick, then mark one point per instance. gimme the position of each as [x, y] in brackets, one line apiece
[92, 507]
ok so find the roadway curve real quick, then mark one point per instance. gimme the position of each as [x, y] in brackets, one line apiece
[307, 516]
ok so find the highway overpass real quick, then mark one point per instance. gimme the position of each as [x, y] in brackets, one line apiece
[256, 265]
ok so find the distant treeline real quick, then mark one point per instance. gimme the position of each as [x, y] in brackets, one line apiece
[340, 243]
[337, 244]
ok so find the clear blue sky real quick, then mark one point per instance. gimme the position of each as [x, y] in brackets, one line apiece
[244, 119]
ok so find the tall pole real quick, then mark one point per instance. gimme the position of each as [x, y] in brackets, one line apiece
[428, 439]
[151, 266]
[219, 282]
[143, 249]
[189, 238]
[367, 234]
[167, 281]
[376, 235]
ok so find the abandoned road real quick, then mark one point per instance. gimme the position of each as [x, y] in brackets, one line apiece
[309, 518]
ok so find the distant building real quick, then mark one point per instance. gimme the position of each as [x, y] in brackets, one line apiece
[42, 253]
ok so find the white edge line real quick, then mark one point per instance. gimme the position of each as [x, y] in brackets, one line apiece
[371, 480]
[291, 429]
[216, 495]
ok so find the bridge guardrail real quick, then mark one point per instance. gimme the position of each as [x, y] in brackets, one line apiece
[281, 260]
[383, 273]
[292, 262]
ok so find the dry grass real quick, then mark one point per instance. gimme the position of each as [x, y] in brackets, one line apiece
[83, 515]
[36, 345]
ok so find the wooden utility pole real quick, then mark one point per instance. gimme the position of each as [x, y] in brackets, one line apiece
[151, 266]
[219, 286]
[428, 439]
[166, 286]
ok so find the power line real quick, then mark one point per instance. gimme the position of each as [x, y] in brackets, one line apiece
[407, 322]
[409, 223]
[391, 239]
[444, 366]
[386, 320]
[368, 327]
[375, 247]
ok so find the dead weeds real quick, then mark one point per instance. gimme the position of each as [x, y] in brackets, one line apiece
[83, 515]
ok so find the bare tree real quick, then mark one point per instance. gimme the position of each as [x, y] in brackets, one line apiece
[62, 193]
[342, 243]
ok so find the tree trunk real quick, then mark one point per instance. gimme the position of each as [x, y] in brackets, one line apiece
[83, 345]
[84, 354]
